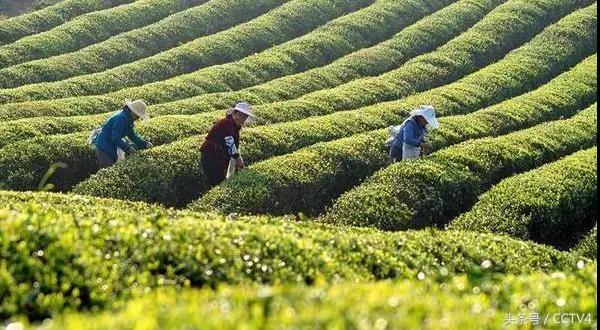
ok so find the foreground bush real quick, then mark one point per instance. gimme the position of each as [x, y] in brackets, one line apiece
[553, 204]
[52, 260]
[462, 302]
[288, 21]
[177, 178]
[83, 31]
[433, 190]
[46, 18]
[309, 179]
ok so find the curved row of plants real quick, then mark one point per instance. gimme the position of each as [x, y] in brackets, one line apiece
[176, 177]
[27, 161]
[181, 27]
[588, 244]
[389, 54]
[309, 179]
[462, 302]
[336, 38]
[291, 19]
[433, 190]
[82, 31]
[46, 18]
[65, 260]
[554, 204]
[524, 18]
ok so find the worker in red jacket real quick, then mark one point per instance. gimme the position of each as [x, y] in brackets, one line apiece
[222, 143]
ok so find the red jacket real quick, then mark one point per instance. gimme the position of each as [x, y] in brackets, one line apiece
[222, 141]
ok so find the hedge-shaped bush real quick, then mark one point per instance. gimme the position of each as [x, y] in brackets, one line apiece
[64, 260]
[77, 204]
[462, 302]
[337, 38]
[290, 20]
[307, 180]
[433, 190]
[174, 30]
[177, 178]
[588, 246]
[553, 204]
[411, 41]
[527, 19]
[46, 18]
[27, 161]
[83, 31]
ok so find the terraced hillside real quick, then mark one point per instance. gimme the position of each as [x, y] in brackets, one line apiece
[506, 196]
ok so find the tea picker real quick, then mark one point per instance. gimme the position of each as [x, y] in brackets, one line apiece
[407, 140]
[109, 139]
[220, 155]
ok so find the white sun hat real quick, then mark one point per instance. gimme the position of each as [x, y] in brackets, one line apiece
[428, 112]
[139, 108]
[245, 108]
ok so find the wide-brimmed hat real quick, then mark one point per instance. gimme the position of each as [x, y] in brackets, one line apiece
[428, 112]
[139, 108]
[245, 108]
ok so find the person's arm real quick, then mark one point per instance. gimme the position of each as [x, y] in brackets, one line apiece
[409, 135]
[118, 132]
[137, 140]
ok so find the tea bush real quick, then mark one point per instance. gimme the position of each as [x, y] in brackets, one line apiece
[319, 47]
[433, 190]
[83, 31]
[290, 20]
[588, 246]
[308, 179]
[44, 19]
[553, 204]
[461, 302]
[52, 260]
[176, 175]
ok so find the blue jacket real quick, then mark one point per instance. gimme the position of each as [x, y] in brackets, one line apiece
[411, 133]
[113, 131]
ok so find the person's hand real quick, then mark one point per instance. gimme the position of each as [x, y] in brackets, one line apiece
[149, 145]
[239, 163]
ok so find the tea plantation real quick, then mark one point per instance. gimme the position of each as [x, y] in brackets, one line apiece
[495, 227]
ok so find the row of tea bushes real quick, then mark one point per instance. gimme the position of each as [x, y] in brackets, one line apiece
[553, 204]
[433, 190]
[361, 63]
[462, 302]
[525, 18]
[81, 32]
[336, 38]
[184, 26]
[588, 246]
[177, 179]
[180, 27]
[46, 18]
[309, 179]
[288, 21]
[52, 260]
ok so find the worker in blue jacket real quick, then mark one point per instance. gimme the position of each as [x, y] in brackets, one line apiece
[409, 141]
[109, 139]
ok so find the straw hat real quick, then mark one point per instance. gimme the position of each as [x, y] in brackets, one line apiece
[139, 108]
[428, 112]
